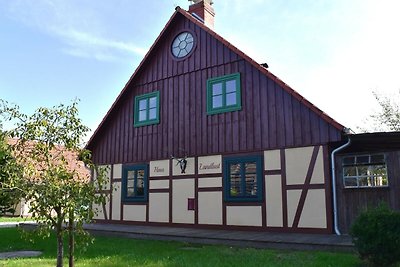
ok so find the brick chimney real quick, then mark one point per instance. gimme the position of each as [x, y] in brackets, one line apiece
[202, 9]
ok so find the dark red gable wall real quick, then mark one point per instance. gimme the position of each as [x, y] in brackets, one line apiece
[270, 118]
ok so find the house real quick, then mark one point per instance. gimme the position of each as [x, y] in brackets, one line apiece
[203, 136]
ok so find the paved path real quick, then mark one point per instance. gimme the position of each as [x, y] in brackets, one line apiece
[235, 238]
[19, 254]
[13, 224]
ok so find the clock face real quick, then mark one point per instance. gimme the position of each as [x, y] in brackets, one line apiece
[182, 45]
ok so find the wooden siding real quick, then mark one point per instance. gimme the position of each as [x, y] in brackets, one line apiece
[353, 201]
[270, 117]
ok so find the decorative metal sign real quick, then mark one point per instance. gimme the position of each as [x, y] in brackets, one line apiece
[182, 163]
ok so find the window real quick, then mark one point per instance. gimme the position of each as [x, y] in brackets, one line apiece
[182, 45]
[223, 94]
[134, 183]
[365, 171]
[147, 109]
[243, 178]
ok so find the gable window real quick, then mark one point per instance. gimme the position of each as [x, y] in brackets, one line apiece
[182, 45]
[243, 178]
[134, 183]
[224, 94]
[365, 171]
[147, 109]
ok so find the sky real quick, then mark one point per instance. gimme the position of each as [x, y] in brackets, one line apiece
[335, 53]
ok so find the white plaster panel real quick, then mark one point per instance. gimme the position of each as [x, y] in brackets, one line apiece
[117, 171]
[107, 168]
[210, 164]
[116, 201]
[176, 169]
[272, 160]
[159, 207]
[318, 176]
[293, 198]
[210, 207]
[181, 191]
[159, 168]
[159, 184]
[22, 209]
[210, 182]
[18, 209]
[99, 210]
[244, 216]
[135, 213]
[297, 163]
[314, 211]
[273, 197]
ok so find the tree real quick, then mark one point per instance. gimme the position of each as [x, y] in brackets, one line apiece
[55, 177]
[388, 116]
[9, 194]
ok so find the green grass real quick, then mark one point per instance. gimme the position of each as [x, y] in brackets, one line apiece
[14, 219]
[110, 251]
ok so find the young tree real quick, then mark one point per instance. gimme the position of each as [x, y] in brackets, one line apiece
[388, 116]
[55, 176]
[10, 195]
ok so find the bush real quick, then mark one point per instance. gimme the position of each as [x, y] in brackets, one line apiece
[376, 235]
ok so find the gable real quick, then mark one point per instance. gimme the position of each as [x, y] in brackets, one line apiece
[272, 115]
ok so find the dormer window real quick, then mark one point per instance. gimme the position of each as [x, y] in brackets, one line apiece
[224, 94]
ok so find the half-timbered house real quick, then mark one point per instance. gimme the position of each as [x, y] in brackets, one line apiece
[204, 136]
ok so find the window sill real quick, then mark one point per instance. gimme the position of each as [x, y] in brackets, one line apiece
[136, 200]
[146, 123]
[243, 200]
[366, 188]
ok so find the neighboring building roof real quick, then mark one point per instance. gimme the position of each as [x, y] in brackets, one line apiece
[370, 142]
[263, 70]
[71, 157]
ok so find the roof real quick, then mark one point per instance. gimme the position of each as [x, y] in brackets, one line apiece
[263, 70]
[370, 142]
[71, 157]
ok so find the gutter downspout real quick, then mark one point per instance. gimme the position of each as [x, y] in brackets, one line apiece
[335, 215]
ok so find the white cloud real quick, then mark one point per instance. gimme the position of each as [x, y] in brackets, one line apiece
[87, 45]
[79, 28]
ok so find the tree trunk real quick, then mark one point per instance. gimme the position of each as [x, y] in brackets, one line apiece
[60, 247]
[71, 239]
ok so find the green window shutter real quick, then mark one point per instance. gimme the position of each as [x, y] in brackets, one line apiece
[224, 94]
[147, 109]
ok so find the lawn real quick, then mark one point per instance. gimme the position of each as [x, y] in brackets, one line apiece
[110, 251]
[14, 219]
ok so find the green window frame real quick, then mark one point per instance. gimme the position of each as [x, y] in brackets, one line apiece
[243, 179]
[135, 183]
[365, 171]
[147, 109]
[224, 94]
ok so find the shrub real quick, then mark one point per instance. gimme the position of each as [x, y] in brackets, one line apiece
[376, 235]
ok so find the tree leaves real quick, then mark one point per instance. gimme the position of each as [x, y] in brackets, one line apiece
[55, 177]
[387, 118]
